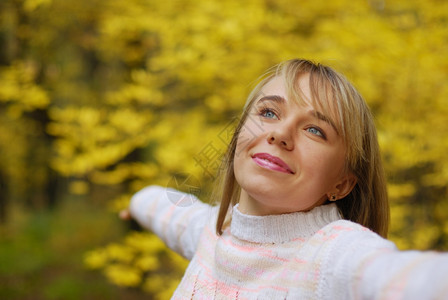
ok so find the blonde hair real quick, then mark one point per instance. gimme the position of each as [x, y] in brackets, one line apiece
[367, 204]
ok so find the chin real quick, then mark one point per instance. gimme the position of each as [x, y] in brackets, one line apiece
[259, 185]
[265, 193]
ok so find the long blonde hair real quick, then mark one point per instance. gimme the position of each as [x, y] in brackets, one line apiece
[367, 204]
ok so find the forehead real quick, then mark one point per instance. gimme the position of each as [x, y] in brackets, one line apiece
[299, 91]
[275, 86]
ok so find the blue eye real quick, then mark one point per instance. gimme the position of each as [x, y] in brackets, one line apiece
[315, 131]
[268, 113]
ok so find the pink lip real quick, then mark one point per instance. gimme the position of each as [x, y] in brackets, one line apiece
[267, 161]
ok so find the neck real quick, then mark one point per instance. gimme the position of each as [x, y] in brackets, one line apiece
[283, 227]
[250, 206]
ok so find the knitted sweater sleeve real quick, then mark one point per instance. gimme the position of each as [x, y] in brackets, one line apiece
[177, 218]
[362, 265]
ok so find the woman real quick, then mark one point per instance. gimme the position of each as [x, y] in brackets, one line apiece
[303, 210]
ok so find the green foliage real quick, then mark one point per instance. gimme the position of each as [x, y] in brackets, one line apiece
[41, 252]
[130, 93]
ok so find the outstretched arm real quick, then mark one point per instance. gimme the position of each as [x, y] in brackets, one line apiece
[177, 218]
[362, 265]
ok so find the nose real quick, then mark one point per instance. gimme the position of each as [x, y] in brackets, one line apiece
[281, 136]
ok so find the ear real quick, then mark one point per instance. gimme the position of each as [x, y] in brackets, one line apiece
[343, 187]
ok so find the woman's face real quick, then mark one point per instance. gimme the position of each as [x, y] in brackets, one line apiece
[289, 157]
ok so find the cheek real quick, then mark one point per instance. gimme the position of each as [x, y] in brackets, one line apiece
[241, 152]
[327, 165]
[249, 133]
[240, 169]
[240, 146]
[334, 168]
[237, 161]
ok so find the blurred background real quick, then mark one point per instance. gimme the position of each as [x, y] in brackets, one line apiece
[99, 98]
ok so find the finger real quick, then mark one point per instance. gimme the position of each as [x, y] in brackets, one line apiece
[125, 214]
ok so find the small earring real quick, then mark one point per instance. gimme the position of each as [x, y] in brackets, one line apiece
[333, 198]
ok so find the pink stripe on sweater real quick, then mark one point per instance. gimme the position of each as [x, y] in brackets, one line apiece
[248, 249]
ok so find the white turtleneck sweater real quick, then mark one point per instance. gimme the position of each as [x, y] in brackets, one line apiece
[303, 255]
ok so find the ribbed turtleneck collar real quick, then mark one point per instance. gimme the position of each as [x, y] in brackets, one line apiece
[282, 228]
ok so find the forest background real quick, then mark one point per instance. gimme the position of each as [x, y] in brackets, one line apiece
[99, 98]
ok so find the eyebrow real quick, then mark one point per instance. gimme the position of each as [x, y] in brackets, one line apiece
[316, 114]
[324, 118]
[274, 98]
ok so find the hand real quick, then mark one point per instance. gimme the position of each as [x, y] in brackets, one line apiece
[125, 214]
